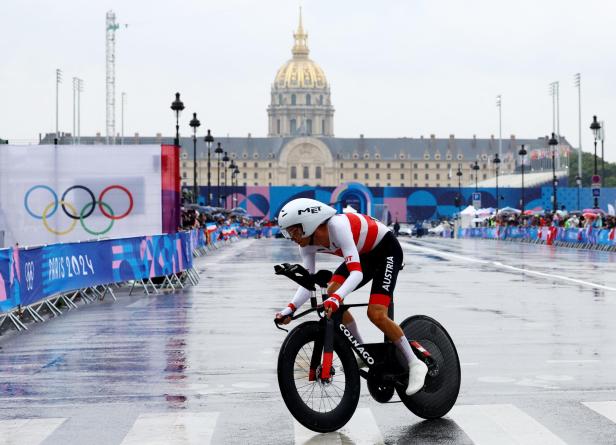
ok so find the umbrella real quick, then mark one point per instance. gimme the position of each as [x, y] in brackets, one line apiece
[529, 212]
[509, 210]
[595, 211]
[589, 215]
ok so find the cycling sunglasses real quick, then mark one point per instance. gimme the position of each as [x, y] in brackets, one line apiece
[292, 232]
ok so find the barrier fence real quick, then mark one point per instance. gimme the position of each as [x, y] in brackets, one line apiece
[55, 276]
[587, 237]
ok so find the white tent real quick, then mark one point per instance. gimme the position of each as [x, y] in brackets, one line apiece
[349, 209]
[466, 217]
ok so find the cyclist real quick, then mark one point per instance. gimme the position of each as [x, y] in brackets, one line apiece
[370, 252]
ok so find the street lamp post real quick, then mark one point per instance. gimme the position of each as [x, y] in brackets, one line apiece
[177, 106]
[497, 162]
[596, 129]
[209, 139]
[602, 136]
[553, 143]
[476, 169]
[522, 153]
[459, 175]
[194, 123]
[218, 152]
[236, 172]
[225, 159]
[578, 181]
[232, 169]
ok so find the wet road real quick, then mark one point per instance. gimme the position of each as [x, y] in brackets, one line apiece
[534, 328]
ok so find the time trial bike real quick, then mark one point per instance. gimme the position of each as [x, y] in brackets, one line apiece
[319, 377]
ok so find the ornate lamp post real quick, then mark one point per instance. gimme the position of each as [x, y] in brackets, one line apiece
[209, 139]
[236, 172]
[194, 124]
[522, 153]
[553, 143]
[595, 126]
[497, 162]
[459, 175]
[476, 169]
[225, 159]
[578, 181]
[177, 106]
[218, 152]
[232, 170]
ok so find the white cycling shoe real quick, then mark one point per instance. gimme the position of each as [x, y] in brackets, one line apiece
[417, 376]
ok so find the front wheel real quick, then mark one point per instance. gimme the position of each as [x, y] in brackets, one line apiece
[321, 406]
[441, 389]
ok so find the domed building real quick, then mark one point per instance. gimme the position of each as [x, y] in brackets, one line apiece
[301, 97]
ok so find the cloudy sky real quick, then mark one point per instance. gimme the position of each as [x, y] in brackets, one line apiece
[396, 67]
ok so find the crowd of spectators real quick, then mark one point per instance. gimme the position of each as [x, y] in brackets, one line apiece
[560, 218]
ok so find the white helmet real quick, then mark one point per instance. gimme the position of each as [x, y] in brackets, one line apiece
[307, 212]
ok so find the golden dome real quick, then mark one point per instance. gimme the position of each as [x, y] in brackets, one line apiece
[300, 71]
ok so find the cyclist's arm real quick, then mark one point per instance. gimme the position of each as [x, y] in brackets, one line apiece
[344, 236]
[302, 294]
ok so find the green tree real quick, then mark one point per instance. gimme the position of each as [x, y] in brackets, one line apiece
[588, 168]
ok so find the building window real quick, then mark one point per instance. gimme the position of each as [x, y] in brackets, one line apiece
[280, 99]
[354, 175]
[245, 177]
[308, 99]
[389, 184]
[366, 176]
[378, 176]
[388, 175]
[378, 165]
[245, 165]
[415, 165]
[278, 126]
[438, 166]
[184, 175]
[306, 173]
[293, 172]
[414, 175]
[269, 175]
[378, 184]
[269, 165]
[427, 176]
[308, 126]
[256, 164]
[388, 165]
[355, 165]
[184, 164]
[402, 184]
[317, 172]
[245, 184]
[402, 165]
[293, 100]
[426, 166]
[184, 184]
[438, 185]
[401, 175]
[341, 175]
[342, 165]
[366, 165]
[438, 176]
[293, 126]
[485, 166]
[256, 175]
[485, 176]
[323, 126]
[449, 165]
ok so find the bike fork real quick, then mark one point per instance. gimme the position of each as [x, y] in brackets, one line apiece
[323, 345]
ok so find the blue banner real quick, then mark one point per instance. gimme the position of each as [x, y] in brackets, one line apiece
[586, 235]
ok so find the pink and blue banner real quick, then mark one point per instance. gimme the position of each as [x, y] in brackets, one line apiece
[586, 235]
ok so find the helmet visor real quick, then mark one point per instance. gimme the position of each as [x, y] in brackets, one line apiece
[292, 232]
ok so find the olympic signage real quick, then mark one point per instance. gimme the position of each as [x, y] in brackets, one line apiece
[72, 193]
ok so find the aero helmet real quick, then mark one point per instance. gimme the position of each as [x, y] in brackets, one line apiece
[307, 212]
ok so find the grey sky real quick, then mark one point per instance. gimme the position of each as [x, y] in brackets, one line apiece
[396, 68]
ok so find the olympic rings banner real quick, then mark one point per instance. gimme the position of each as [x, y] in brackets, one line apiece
[30, 275]
[67, 193]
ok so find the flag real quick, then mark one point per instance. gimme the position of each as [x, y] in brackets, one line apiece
[210, 227]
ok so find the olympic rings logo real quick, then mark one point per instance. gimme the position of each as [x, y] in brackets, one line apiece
[70, 210]
[29, 272]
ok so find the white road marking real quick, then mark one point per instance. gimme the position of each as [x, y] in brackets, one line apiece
[606, 409]
[27, 431]
[361, 429]
[172, 429]
[501, 424]
[516, 269]
[572, 361]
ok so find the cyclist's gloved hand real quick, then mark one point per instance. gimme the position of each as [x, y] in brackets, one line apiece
[332, 303]
[284, 316]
